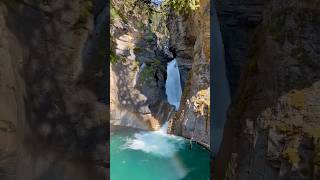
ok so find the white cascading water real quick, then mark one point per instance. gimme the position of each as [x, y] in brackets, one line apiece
[157, 2]
[139, 73]
[173, 84]
[164, 128]
[159, 142]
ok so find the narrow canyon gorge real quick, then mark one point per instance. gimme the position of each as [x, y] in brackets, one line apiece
[144, 43]
[160, 89]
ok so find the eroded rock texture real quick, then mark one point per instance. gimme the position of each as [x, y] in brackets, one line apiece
[190, 40]
[272, 130]
[138, 70]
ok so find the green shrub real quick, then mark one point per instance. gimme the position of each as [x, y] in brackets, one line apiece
[292, 155]
[149, 37]
[140, 26]
[150, 70]
[156, 64]
[113, 57]
[182, 6]
[137, 50]
[114, 14]
[147, 73]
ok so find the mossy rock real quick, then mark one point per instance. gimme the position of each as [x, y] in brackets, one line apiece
[296, 99]
[140, 26]
[150, 37]
[287, 129]
[201, 102]
[113, 57]
[292, 155]
[85, 11]
[137, 50]
[114, 14]
[117, 14]
[147, 73]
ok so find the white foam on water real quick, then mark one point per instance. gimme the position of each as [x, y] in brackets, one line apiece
[173, 84]
[158, 143]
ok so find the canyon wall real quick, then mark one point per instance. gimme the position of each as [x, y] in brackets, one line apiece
[138, 66]
[190, 42]
[272, 131]
[53, 122]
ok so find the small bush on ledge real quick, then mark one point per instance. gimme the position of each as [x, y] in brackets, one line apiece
[182, 6]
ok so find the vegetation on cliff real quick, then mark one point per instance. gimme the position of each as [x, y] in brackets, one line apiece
[182, 6]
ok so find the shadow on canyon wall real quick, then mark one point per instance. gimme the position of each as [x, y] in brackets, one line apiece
[274, 71]
[60, 136]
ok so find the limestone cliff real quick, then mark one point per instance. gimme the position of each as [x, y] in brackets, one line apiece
[272, 131]
[138, 65]
[53, 123]
[190, 42]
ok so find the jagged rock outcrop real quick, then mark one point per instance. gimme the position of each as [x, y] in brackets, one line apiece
[272, 130]
[138, 72]
[53, 124]
[190, 41]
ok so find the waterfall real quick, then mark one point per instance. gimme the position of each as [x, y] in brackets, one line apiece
[159, 142]
[139, 72]
[221, 93]
[157, 2]
[173, 84]
[164, 128]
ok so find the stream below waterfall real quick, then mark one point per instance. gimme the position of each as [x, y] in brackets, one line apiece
[145, 155]
[155, 155]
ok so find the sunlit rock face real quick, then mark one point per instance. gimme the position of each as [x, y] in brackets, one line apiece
[50, 97]
[138, 75]
[272, 131]
[190, 41]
